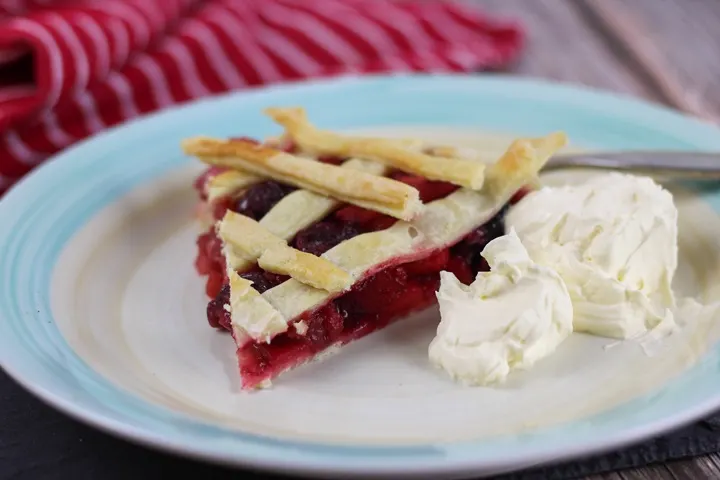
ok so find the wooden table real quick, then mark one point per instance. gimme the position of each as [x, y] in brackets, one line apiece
[662, 50]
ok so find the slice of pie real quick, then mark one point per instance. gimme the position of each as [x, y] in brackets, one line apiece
[316, 239]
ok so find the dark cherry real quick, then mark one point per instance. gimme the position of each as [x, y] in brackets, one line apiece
[260, 198]
[217, 316]
[496, 226]
[321, 237]
[469, 248]
[481, 236]
[376, 293]
[263, 281]
[462, 270]
[259, 354]
[324, 326]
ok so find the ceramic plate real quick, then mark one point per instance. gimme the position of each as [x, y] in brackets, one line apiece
[103, 315]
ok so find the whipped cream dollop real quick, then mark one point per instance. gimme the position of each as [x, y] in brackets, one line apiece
[613, 240]
[507, 319]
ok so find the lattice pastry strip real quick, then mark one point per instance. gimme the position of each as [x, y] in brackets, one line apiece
[255, 242]
[251, 314]
[229, 183]
[462, 172]
[373, 192]
[523, 155]
[302, 208]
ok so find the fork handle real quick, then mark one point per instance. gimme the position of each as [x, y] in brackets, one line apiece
[700, 165]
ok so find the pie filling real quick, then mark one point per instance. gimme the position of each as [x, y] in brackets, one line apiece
[371, 304]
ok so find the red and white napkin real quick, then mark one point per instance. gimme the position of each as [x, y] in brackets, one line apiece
[70, 68]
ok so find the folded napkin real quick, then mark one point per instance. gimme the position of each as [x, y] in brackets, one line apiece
[70, 68]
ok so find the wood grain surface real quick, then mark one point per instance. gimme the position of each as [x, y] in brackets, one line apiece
[665, 51]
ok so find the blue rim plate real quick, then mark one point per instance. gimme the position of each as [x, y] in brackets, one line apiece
[42, 213]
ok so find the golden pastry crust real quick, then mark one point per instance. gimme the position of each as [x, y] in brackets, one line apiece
[302, 208]
[299, 210]
[229, 183]
[305, 268]
[462, 172]
[246, 236]
[369, 191]
[254, 242]
[522, 161]
[251, 315]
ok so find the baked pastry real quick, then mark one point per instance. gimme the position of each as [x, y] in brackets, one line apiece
[316, 239]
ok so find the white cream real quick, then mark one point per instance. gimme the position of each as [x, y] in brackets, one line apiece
[613, 240]
[507, 319]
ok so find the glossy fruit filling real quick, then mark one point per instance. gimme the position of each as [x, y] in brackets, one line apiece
[370, 305]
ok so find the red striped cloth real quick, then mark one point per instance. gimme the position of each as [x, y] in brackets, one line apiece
[71, 68]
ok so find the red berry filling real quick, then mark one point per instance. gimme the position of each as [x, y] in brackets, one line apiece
[217, 316]
[210, 261]
[262, 280]
[429, 189]
[322, 236]
[260, 198]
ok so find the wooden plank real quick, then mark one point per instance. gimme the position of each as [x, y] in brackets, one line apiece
[687, 32]
[562, 46]
[629, 35]
[567, 44]
[652, 472]
[696, 468]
